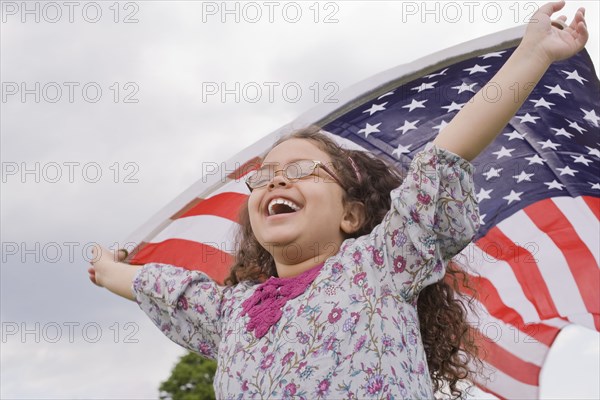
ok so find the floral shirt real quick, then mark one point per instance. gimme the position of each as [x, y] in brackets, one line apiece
[354, 333]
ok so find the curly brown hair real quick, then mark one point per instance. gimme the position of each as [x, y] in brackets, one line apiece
[449, 346]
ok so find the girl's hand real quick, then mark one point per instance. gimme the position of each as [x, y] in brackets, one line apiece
[100, 258]
[549, 42]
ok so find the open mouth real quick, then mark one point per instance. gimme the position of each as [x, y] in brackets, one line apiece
[280, 206]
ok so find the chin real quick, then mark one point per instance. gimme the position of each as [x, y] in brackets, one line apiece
[277, 240]
[279, 234]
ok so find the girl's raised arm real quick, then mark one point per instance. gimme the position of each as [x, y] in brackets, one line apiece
[480, 120]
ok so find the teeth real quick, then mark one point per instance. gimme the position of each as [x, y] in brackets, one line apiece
[282, 201]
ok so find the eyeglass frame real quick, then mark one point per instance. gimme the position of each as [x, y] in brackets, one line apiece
[316, 164]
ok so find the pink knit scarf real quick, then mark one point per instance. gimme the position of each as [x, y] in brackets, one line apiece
[265, 304]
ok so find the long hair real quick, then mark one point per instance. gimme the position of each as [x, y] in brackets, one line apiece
[442, 312]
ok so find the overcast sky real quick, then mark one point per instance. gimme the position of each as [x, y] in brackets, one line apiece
[118, 105]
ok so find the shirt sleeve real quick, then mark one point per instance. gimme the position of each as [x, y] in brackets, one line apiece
[433, 216]
[185, 305]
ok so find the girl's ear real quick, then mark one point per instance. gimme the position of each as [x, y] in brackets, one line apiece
[353, 218]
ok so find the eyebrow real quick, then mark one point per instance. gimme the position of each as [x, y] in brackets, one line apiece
[287, 162]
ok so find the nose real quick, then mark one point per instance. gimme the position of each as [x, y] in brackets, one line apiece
[278, 180]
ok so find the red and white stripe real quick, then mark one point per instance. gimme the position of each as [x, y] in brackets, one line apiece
[200, 236]
[535, 272]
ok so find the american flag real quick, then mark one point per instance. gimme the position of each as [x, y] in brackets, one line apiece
[535, 259]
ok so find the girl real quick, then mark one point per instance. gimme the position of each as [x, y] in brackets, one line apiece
[336, 291]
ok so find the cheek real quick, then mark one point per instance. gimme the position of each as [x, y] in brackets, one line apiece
[254, 212]
[329, 204]
[253, 205]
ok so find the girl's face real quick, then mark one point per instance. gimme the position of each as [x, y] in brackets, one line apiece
[315, 227]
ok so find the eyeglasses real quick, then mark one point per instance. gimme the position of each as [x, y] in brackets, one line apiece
[292, 172]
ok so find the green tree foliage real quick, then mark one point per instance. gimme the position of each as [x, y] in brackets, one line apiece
[191, 379]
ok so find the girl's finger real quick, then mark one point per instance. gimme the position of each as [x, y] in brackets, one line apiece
[122, 254]
[582, 18]
[559, 24]
[583, 34]
[551, 8]
[92, 275]
[578, 18]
